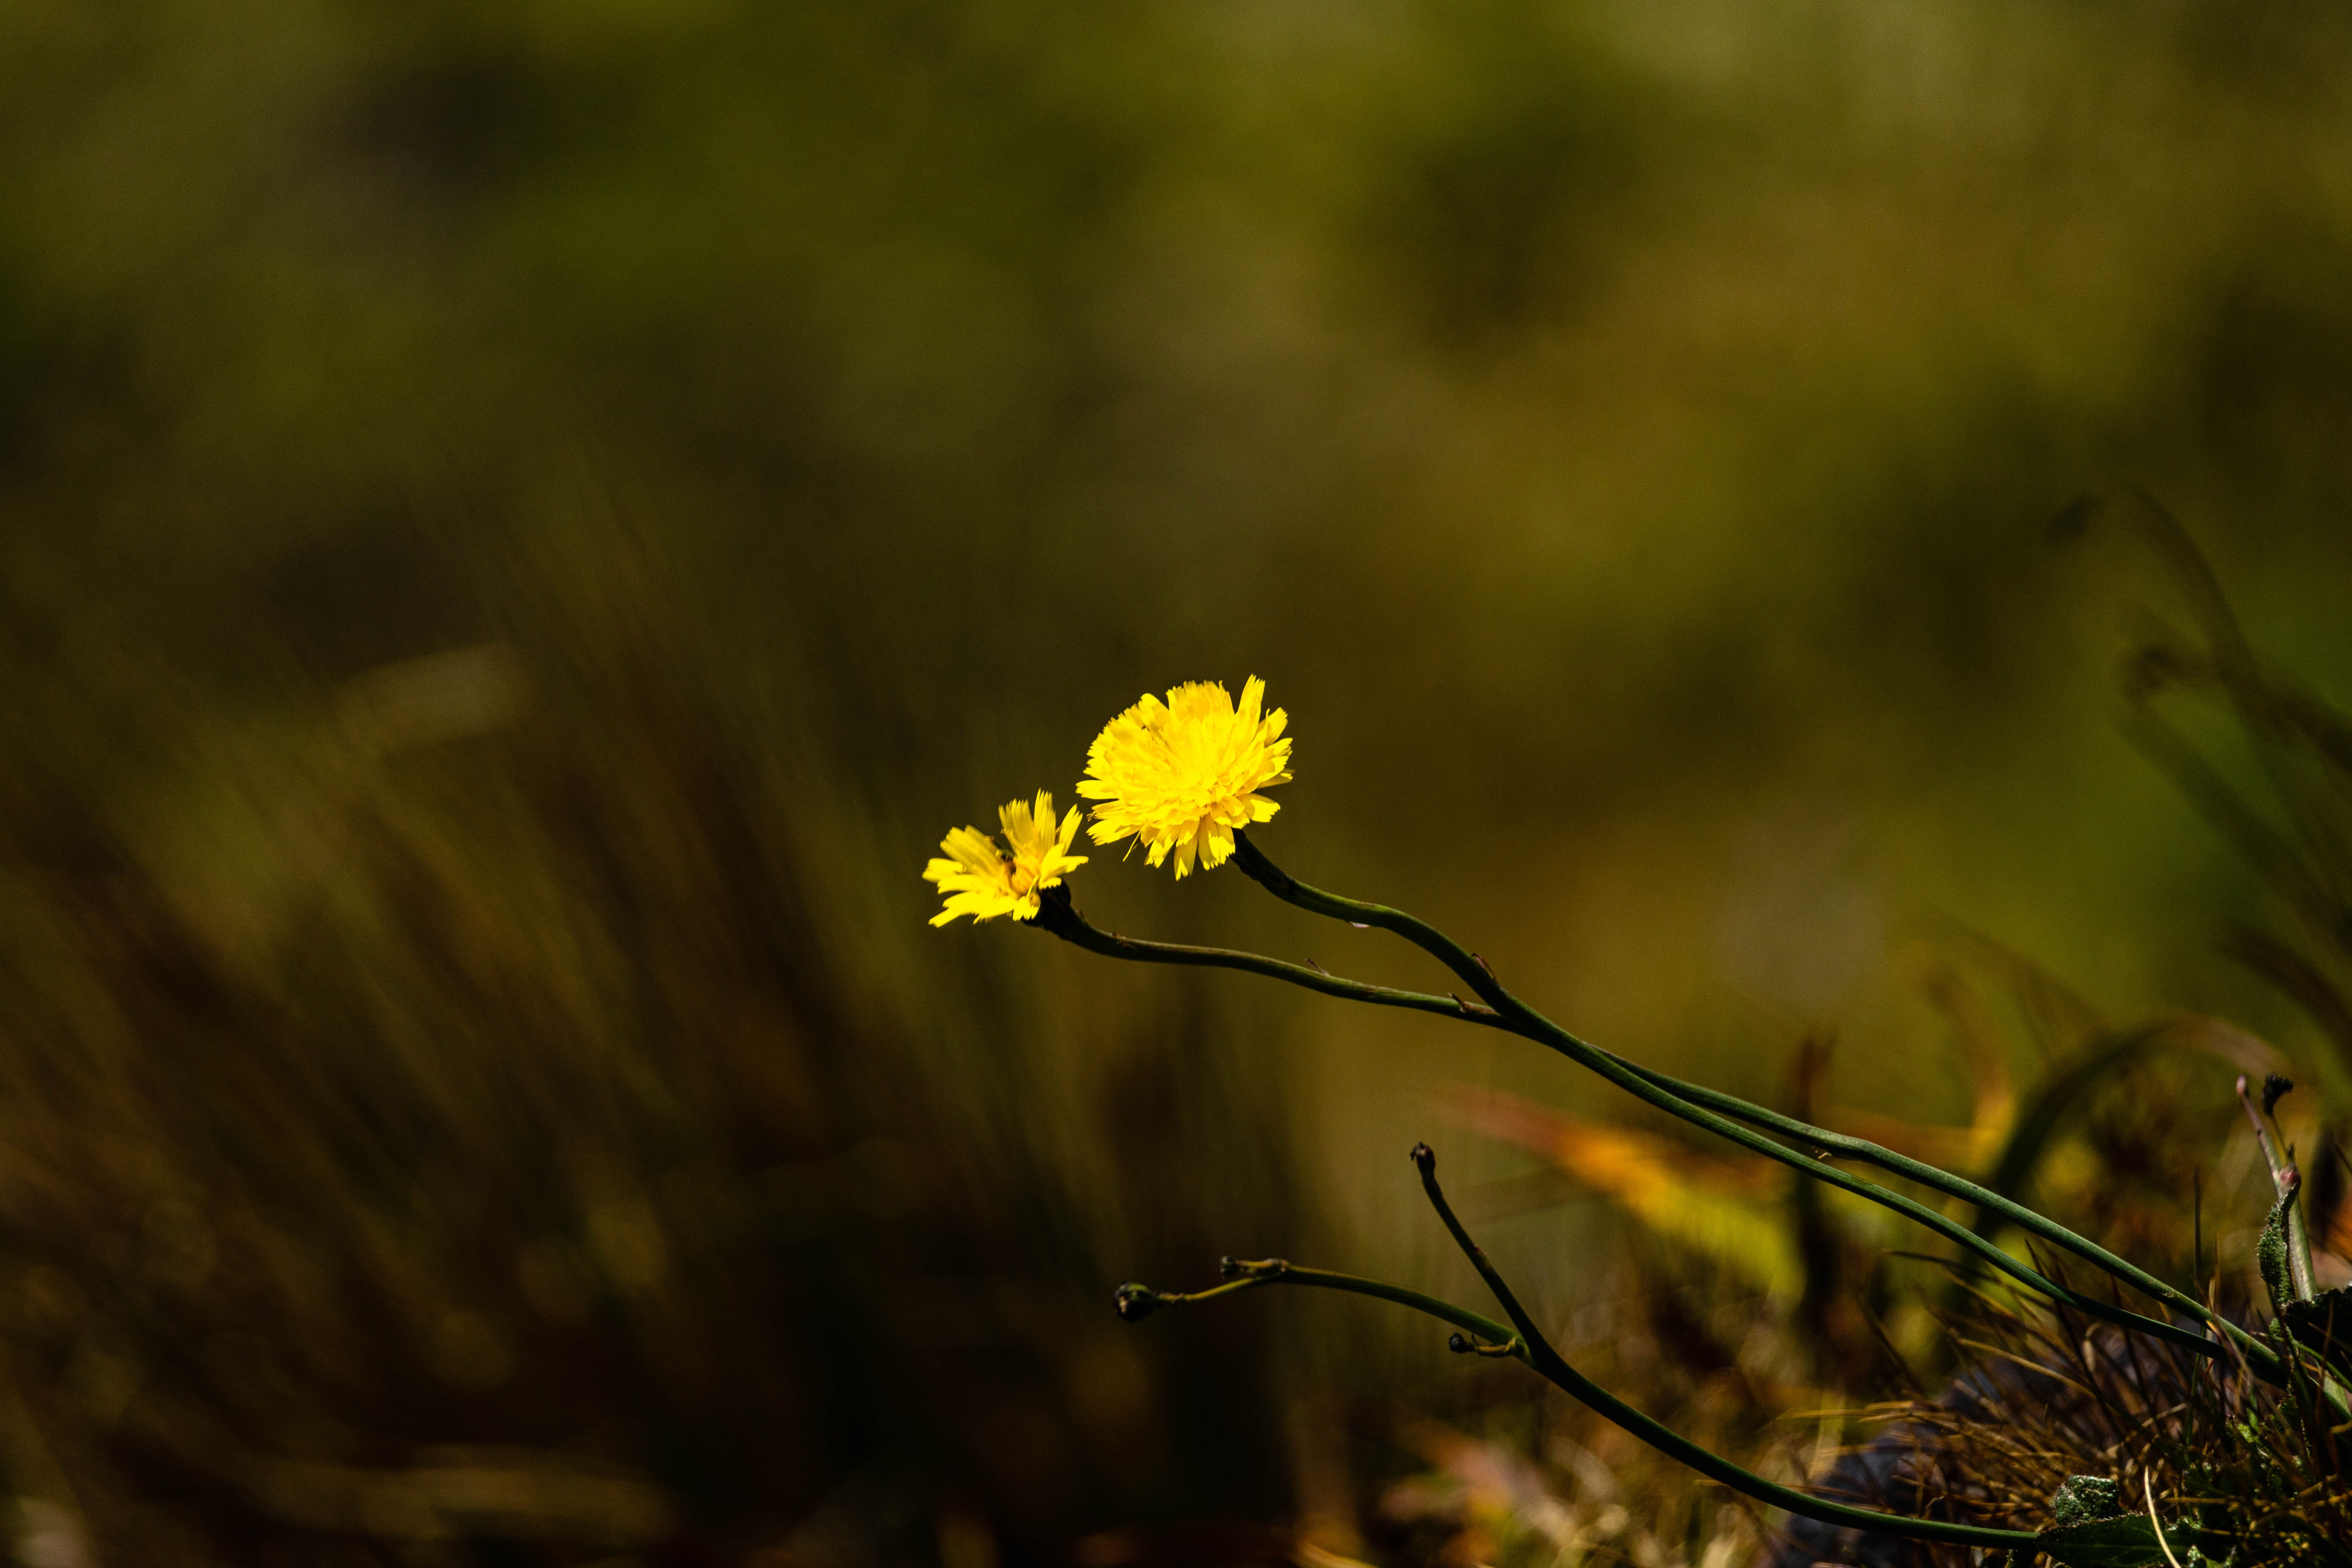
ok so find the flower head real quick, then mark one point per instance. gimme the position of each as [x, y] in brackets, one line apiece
[1183, 775]
[981, 881]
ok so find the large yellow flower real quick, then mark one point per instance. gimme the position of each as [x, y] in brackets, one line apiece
[979, 880]
[1183, 775]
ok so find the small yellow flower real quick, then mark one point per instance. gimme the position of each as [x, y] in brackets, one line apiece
[979, 880]
[1183, 774]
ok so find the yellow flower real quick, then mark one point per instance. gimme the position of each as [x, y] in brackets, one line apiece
[979, 880]
[1183, 774]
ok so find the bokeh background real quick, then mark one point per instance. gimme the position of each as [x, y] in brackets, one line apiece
[523, 523]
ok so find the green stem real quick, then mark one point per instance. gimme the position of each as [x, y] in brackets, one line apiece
[1526, 1345]
[1685, 1100]
[1539, 1353]
[1057, 915]
[2285, 1180]
[1135, 1301]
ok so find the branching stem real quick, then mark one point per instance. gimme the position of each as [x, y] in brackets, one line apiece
[1523, 1342]
[1708, 1109]
[1688, 1101]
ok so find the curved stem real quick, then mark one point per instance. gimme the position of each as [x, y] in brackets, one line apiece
[1136, 1301]
[1057, 915]
[1539, 1354]
[1708, 1109]
[1864, 1152]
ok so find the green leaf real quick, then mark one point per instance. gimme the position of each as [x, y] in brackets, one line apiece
[2082, 1499]
[2128, 1542]
[2095, 1531]
[2270, 1254]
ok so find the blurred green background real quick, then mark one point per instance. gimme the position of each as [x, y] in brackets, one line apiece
[523, 524]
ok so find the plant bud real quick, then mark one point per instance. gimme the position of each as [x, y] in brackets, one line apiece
[2275, 1088]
